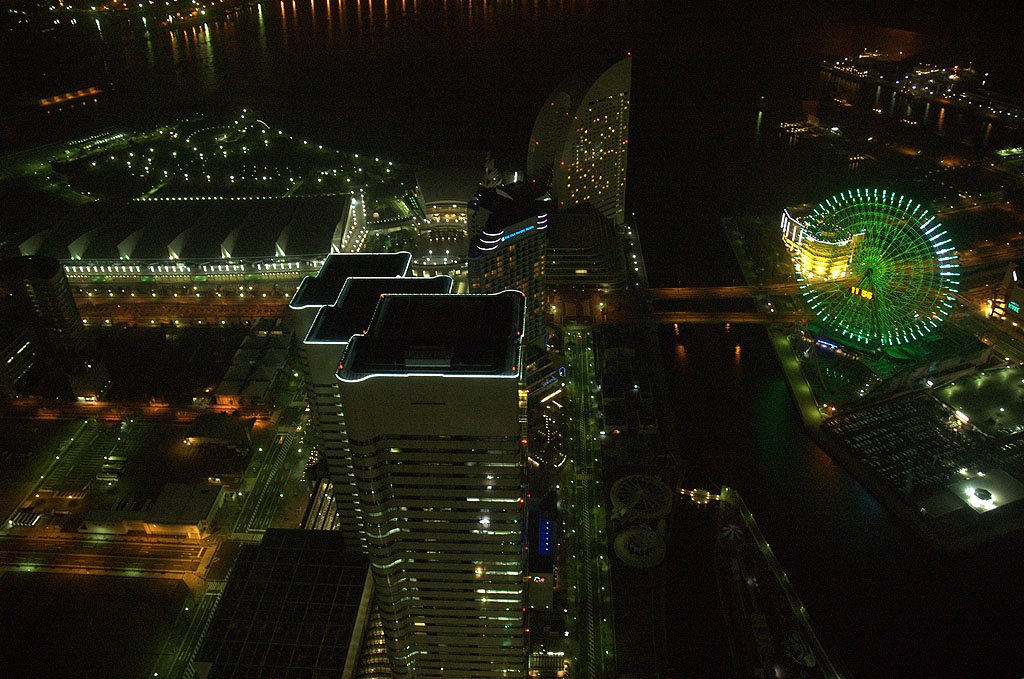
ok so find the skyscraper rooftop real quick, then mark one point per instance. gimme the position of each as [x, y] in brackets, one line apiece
[431, 334]
[358, 299]
[324, 288]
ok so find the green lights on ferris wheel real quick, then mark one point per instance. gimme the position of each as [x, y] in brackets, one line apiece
[875, 267]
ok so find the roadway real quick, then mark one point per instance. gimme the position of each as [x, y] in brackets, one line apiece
[590, 600]
[271, 485]
[998, 334]
[28, 408]
[193, 625]
[158, 311]
[91, 554]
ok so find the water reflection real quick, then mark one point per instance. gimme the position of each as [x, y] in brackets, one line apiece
[262, 31]
[680, 352]
[205, 54]
[148, 55]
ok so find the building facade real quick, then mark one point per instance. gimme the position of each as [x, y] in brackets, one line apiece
[434, 415]
[579, 143]
[319, 356]
[817, 257]
[324, 346]
[513, 258]
[584, 251]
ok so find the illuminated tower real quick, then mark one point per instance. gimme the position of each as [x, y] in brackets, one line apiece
[434, 415]
[579, 142]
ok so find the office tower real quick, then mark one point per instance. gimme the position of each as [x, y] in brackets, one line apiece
[319, 362]
[512, 257]
[580, 139]
[324, 345]
[39, 290]
[434, 415]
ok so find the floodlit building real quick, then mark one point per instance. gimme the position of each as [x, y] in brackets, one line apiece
[435, 417]
[181, 509]
[579, 142]
[818, 257]
[177, 238]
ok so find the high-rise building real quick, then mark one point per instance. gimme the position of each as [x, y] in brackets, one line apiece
[579, 142]
[324, 345]
[319, 360]
[511, 257]
[39, 290]
[434, 416]
[316, 292]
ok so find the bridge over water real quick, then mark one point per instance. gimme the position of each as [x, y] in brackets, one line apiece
[712, 317]
[725, 292]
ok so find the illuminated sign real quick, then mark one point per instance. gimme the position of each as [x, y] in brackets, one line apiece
[520, 231]
[866, 294]
[1014, 307]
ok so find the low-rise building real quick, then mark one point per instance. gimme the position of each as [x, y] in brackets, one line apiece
[182, 509]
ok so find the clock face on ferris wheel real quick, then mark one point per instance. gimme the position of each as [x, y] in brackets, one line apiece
[876, 267]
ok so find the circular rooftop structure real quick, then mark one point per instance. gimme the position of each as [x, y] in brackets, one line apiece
[640, 547]
[641, 496]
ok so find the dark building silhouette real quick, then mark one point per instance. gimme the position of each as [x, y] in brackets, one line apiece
[40, 295]
[295, 605]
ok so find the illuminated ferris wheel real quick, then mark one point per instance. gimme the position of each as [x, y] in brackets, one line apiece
[874, 267]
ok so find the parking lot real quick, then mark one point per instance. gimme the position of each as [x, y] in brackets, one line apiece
[993, 400]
